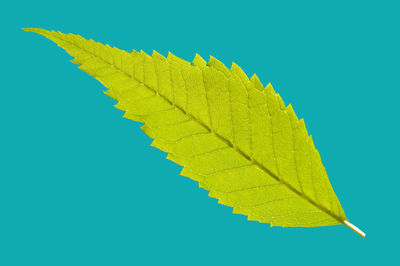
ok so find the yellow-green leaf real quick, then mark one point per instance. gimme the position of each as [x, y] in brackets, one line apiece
[230, 133]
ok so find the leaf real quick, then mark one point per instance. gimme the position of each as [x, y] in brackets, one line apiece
[233, 136]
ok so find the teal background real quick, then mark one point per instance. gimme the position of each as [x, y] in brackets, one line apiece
[80, 185]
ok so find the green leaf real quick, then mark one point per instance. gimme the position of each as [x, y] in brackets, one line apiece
[231, 134]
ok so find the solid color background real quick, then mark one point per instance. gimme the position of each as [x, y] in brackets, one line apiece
[80, 185]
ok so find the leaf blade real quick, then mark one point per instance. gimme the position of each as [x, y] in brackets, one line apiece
[158, 90]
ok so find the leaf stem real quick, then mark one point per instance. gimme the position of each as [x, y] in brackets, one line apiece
[354, 228]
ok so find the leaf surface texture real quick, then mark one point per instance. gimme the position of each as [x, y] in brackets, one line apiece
[231, 134]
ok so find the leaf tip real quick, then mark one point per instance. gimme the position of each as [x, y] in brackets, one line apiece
[28, 29]
[36, 30]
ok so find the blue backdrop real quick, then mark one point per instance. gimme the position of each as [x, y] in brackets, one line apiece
[80, 185]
